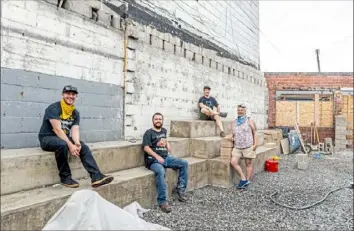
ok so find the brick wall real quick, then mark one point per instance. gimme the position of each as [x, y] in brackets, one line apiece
[303, 81]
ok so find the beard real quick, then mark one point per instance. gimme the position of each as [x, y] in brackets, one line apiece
[158, 125]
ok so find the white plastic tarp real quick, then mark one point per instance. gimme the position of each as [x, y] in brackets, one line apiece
[87, 210]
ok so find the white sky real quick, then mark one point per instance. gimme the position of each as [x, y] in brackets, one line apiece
[292, 30]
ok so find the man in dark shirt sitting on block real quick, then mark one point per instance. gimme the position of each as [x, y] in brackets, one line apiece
[60, 134]
[210, 109]
[158, 157]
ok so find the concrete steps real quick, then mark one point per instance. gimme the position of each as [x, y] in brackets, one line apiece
[32, 168]
[30, 196]
[30, 210]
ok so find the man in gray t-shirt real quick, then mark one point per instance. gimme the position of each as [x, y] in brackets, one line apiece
[210, 109]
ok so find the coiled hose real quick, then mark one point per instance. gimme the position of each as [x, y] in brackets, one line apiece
[308, 206]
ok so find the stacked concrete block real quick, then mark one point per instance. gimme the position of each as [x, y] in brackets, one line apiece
[226, 147]
[302, 161]
[340, 133]
[205, 147]
[328, 145]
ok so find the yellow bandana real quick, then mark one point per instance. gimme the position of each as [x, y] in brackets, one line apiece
[66, 110]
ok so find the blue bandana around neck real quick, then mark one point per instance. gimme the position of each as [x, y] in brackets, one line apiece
[241, 119]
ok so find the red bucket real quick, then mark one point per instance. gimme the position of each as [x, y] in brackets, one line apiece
[271, 165]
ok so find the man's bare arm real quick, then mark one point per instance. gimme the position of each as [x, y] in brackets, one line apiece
[169, 149]
[218, 108]
[56, 125]
[149, 151]
[201, 105]
[75, 134]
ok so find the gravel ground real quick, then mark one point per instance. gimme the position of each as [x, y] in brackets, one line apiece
[212, 208]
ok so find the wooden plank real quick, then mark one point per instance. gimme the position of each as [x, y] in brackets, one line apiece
[297, 112]
[300, 138]
[316, 109]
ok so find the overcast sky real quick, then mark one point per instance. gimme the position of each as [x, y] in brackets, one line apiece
[292, 30]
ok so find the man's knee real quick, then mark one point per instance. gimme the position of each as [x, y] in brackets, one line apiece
[158, 169]
[61, 145]
[84, 147]
[184, 163]
[205, 111]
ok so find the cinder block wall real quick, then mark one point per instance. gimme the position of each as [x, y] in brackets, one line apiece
[44, 48]
[170, 60]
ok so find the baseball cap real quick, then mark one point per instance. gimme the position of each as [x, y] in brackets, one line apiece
[242, 105]
[206, 87]
[69, 88]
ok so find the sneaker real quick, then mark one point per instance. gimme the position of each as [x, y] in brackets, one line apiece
[102, 181]
[182, 196]
[222, 134]
[243, 184]
[70, 183]
[223, 114]
[165, 207]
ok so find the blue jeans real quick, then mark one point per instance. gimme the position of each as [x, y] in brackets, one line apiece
[159, 170]
[61, 150]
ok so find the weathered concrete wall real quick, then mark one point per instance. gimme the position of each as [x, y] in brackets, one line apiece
[44, 48]
[168, 75]
[232, 25]
[177, 47]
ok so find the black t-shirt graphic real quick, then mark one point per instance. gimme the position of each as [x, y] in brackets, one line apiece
[54, 111]
[153, 139]
[210, 102]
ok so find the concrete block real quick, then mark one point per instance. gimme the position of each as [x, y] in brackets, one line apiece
[192, 128]
[341, 136]
[30, 210]
[221, 173]
[180, 147]
[225, 153]
[35, 168]
[116, 22]
[340, 120]
[169, 47]
[104, 17]
[80, 7]
[206, 147]
[132, 44]
[226, 143]
[54, 2]
[303, 165]
[260, 136]
[302, 158]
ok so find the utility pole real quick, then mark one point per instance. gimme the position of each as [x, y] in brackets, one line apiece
[318, 60]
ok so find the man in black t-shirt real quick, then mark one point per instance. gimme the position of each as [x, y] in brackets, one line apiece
[60, 134]
[157, 157]
[210, 109]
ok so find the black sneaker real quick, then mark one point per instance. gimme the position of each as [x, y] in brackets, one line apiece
[165, 208]
[181, 196]
[223, 114]
[70, 183]
[102, 181]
